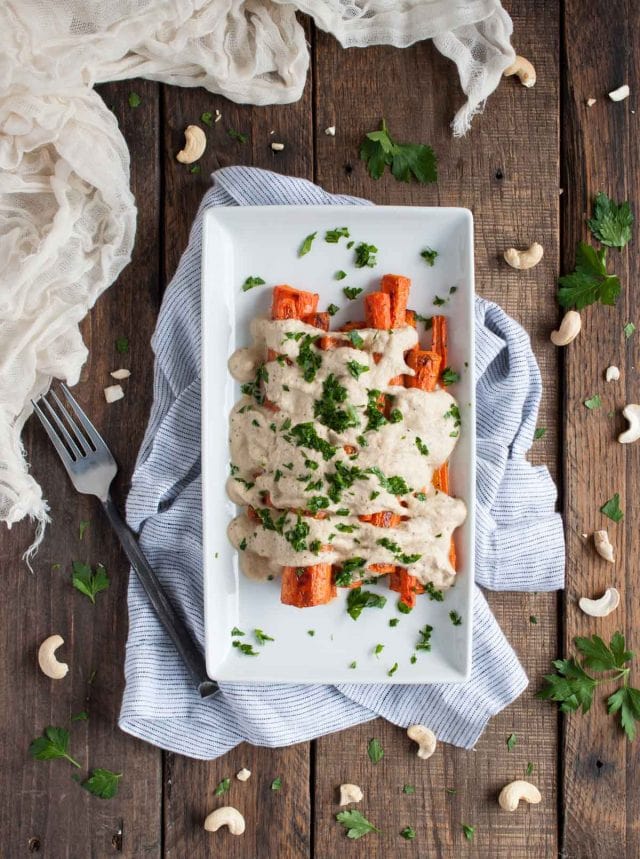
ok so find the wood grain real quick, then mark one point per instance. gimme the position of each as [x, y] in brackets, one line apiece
[43, 811]
[507, 172]
[278, 822]
[600, 153]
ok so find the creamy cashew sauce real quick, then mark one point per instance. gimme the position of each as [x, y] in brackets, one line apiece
[276, 470]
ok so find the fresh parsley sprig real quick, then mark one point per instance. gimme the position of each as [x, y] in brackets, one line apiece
[572, 687]
[355, 824]
[590, 281]
[407, 160]
[611, 222]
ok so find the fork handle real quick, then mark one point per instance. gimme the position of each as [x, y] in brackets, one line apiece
[185, 645]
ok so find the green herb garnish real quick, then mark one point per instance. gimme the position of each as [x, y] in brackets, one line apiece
[305, 247]
[89, 582]
[611, 222]
[407, 160]
[250, 282]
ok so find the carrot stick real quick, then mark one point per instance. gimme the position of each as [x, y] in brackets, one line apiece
[377, 306]
[397, 288]
[352, 326]
[307, 586]
[427, 369]
[290, 303]
[439, 339]
[318, 320]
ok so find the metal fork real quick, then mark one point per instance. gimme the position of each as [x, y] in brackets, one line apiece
[91, 467]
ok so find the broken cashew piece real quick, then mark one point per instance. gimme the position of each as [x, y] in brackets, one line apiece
[350, 793]
[632, 414]
[603, 546]
[195, 142]
[524, 259]
[524, 69]
[608, 602]
[244, 774]
[620, 94]
[425, 738]
[512, 793]
[568, 330]
[226, 816]
[47, 658]
[612, 374]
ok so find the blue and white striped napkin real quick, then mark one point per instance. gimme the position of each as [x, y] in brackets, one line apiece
[520, 543]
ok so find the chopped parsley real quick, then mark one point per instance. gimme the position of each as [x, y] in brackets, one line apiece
[424, 641]
[612, 510]
[394, 621]
[449, 377]
[352, 565]
[134, 99]
[469, 831]
[455, 618]
[308, 359]
[409, 789]
[122, 345]
[247, 649]
[593, 402]
[237, 135]
[433, 593]
[392, 670]
[511, 742]
[397, 552]
[223, 787]
[375, 751]
[356, 340]
[340, 275]
[305, 435]
[429, 256]
[396, 485]
[243, 544]
[316, 503]
[395, 416]
[332, 309]
[262, 637]
[254, 388]
[343, 478]
[403, 608]
[378, 649]
[327, 410]
[357, 369]
[359, 600]
[629, 329]
[352, 292]
[305, 247]
[334, 236]
[533, 619]
[297, 536]
[236, 631]
[375, 418]
[250, 282]
[438, 302]
[276, 784]
[539, 433]
[408, 833]
[365, 255]
[424, 450]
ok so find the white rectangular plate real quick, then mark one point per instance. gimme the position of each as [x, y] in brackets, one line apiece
[264, 241]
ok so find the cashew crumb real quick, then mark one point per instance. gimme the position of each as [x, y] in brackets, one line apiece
[331, 131]
[612, 374]
[350, 793]
[244, 774]
[112, 393]
[277, 147]
[120, 374]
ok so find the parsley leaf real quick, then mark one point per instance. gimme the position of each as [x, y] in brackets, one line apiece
[356, 340]
[134, 99]
[276, 784]
[590, 281]
[250, 282]
[455, 618]
[449, 377]
[429, 256]
[236, 631]
[612, 510]
[392, 670]
[88, 582]
[359, 599]
[355, 824]
[122, 345]
[599, 657]
[408, 832]
[308, 358]
[409, 789]
[332, 309]
[511, 742]
[340, 275]
[611, 222]
[327, 410]
[529, 769]
[207, 118]
[593, 402]
[53, 744]
[247, 649]
[352, 292]
[629, 329]
[539, 433]
[365, 255]
[334, 236]
[375, 751]
[357, 369]
[469, 831]
[261, 636]
[305, 247]
[407, 160]
[237, 135]
[424, 642]
[102, 783]
[626, 701]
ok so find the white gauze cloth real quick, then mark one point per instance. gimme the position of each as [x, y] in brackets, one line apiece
[67, 217]
[519, 537]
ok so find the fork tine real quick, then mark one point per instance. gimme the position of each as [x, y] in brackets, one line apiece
[94, 436]
[82, 440]
[63, 453]
[74, 446]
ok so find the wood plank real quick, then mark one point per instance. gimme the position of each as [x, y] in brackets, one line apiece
[507, 172]
[601, 768]
[278, 822]
[43, 811]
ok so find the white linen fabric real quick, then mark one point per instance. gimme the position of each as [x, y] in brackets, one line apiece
[520, 543]
[67, 217]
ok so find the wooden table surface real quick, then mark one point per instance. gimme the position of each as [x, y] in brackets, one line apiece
[509, 171]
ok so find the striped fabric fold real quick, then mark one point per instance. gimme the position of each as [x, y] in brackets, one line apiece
[515, 511]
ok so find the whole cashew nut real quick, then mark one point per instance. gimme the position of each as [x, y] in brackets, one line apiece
[568, 330]
[608, 602]
[195, 142]
[47, 658]
[350, 793]
[524, 69]
[226, 816]
[632, 414]
[603, 546]
[512, 793]
[425, 738]
[524, 259]
[620, 94]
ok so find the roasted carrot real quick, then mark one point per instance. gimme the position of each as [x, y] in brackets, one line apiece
[427, 369]
[377, 306]
[397, 288]
[290, 303]
[318, 320]
[441, 478]
[384, 519]
[406, 585]
[439, 339]
[307, 586]
[352, 326]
